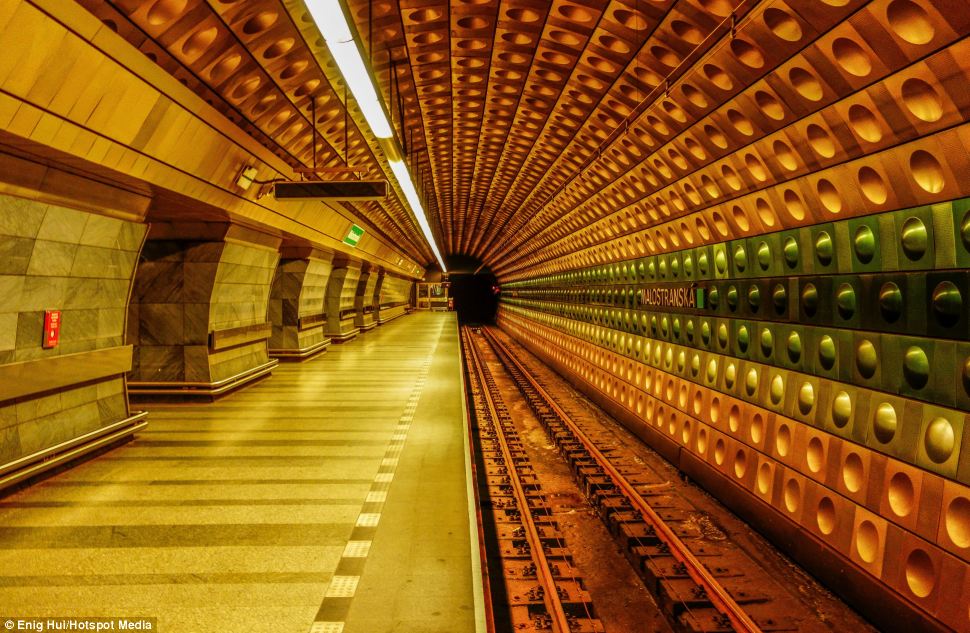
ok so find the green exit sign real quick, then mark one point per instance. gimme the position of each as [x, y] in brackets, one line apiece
[353, 235]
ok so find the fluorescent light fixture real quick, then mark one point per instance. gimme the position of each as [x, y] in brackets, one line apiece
[332, 22]
[404, 179]
[330, 19]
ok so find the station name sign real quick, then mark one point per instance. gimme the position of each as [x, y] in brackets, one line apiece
[670, 296]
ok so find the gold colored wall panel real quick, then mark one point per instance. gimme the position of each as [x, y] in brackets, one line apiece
[73, 85]
[882, 514]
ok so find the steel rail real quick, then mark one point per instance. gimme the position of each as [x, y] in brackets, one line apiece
[470, 385]
[560, 623]
[718, 595]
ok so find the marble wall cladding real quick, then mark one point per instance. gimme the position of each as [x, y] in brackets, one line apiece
[348, 292]
[169, 309]
[394, 297]
[240, 295]
[395, 290]
[185, 290]
[314, 288]
[386, 314]
[340, 296]
[228, 363]
[364, 300]
[46, 421]
[284, 302]
[375, 295]
[298, 291]
[54, 258]
[305, 339]
[81, 263]
[32, 425]
[369, 289]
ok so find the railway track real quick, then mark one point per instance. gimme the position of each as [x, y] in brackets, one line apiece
[543, 591]
[700, 586]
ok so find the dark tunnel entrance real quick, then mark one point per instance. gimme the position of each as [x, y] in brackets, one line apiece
[474, 289]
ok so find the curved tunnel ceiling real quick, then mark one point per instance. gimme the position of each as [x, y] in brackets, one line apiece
[546, 136]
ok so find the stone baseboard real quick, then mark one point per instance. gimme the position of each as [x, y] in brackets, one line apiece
[297, 355]
[167, 391]
[343, 337]
[31, 466]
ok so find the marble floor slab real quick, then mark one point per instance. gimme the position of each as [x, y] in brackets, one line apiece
[302, 503]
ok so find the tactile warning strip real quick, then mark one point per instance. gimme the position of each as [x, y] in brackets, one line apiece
[343, 586]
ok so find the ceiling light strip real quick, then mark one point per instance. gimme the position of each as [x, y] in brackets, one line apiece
[331, 20]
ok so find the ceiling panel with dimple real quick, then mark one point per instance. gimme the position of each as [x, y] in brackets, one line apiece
[545, 135]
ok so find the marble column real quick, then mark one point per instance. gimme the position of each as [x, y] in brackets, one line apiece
[394, 298]
[296, 305]
[364, 299]
[340, 297]
[57, 402]
[198, 315]
[376, 297]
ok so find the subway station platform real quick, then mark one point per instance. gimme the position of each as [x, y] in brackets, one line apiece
[332, 497]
